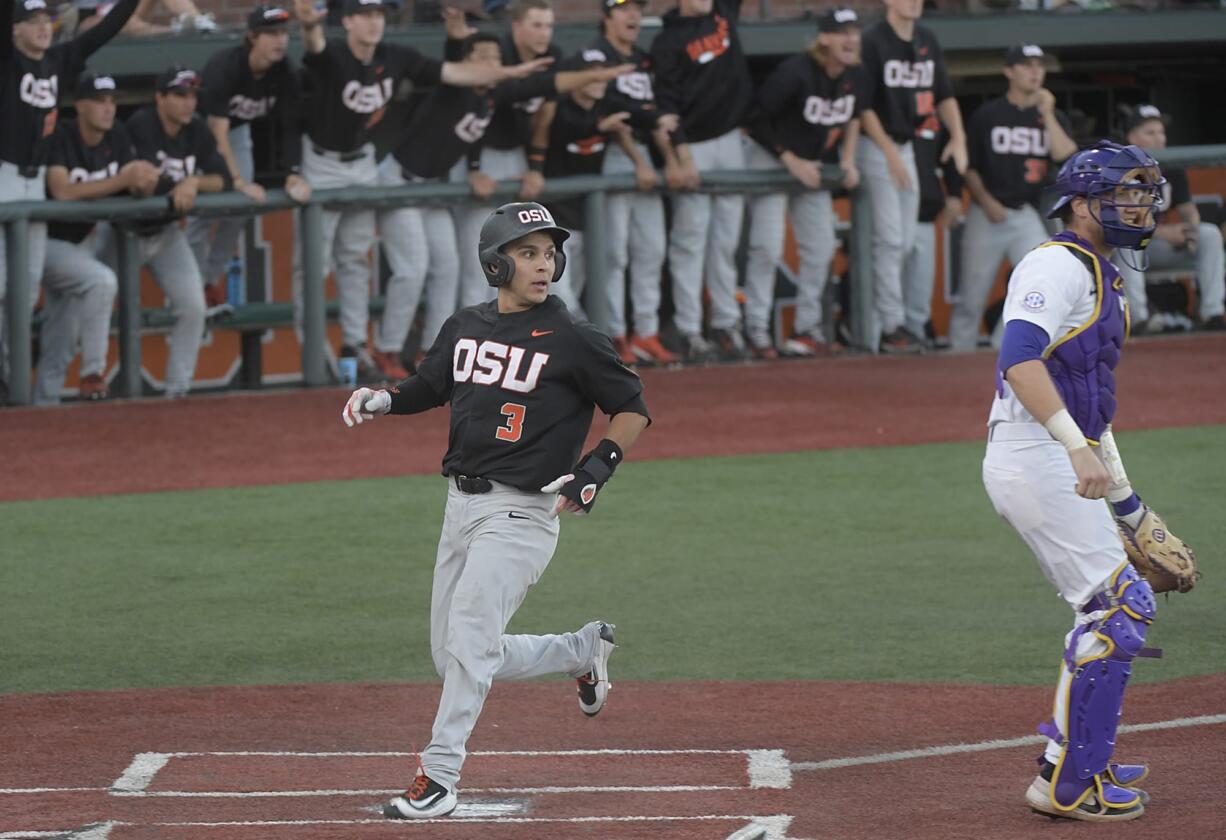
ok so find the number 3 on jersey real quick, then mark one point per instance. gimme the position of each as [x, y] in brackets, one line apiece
[514, 412]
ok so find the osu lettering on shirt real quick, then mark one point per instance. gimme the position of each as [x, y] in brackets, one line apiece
[906, 80]
[348, 99]
[232, 91]
[84, 164]
[701, 72]
[522, 388]
[29, 89]
[1009, 147]
[633, 92]
[193, 151]
[804, 111]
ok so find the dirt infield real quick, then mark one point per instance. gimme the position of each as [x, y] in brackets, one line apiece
[689, 760]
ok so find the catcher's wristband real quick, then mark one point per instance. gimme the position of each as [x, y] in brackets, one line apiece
[1064, 428]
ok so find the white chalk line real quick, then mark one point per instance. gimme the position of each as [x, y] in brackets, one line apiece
[258, 794]
[365, 754]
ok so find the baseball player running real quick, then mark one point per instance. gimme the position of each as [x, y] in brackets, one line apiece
[1051, 458]
[809, 115]
[242, 85]
[1012, 141]
[522, 377]
[909, 85]
[353, 80]
[31, 74]
[89, 157]
[702, 77]
[170, 135]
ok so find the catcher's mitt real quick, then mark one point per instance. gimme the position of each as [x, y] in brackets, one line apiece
[1158, 555]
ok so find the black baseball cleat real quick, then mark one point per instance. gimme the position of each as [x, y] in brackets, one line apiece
[594, 685]
[424, 800]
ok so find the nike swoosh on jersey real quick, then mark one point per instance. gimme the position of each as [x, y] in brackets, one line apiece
[514, 515]
[539, 333]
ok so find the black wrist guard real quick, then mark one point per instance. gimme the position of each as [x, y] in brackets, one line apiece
[593, 470]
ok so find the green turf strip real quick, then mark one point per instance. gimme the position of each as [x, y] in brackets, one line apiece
[871, 564]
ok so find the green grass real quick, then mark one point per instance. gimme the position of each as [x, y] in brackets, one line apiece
[871, 564]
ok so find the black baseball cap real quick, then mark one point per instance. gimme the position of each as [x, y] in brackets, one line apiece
[178, 77]
[356, 7]
[267, 17]
[90, 86]
[23, 9]
[586, 59]
[1019, 53]
[837, 19]
[1140, 114]
[610, 5]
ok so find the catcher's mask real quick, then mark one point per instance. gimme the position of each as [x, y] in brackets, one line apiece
[509, 223]
[1122, 178]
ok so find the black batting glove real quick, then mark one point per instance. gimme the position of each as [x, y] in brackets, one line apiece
[591, 473]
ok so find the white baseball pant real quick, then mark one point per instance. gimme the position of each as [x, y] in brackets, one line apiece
[13, 187]
[707, 229]
[895, 215]
[1207, 260]
[919, 269]
[812, 217]
[636, 237]
[348, 236]
[501, 165]
[80, 293]
[486, 564]
[984, 245]
[215, 241]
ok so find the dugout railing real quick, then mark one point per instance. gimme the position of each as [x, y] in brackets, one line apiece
[121, 212]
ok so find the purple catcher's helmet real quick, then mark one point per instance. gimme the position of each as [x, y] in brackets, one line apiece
[1120, 177]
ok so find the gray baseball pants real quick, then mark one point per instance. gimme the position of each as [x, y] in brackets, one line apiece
[705, 233]
[13, 187]
[919, 271]
[80, 293]
[173, 265]
[486, 563]
[573, 282]
[348, 236]
[813, 222]
[636, 238]
[984, 245]
[215, 241]
[1207, 260]
[501, 165]
[895, 215]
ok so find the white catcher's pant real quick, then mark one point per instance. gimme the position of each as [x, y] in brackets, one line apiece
[813, 222]
[705, 234]
[420, 243]
[984, 245]
[348, 236]
[501, 165]
[636, 237]
[214, 241]
[1207, 261]
[486, 564]
[895, 215]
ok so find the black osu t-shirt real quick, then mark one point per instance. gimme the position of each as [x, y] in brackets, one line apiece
[192, 151]
[232, 91]
[523, 387]
[905, 80]
[348, 99]
[803, 111]
[1010, 149]
[84, 164]
[633, 92]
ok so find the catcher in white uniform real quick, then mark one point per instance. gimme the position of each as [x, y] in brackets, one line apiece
[1051, 459]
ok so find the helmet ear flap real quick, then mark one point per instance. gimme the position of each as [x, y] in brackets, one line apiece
[559, 263]
[498, 269]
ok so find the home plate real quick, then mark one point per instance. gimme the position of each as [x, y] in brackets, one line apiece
[476, 810]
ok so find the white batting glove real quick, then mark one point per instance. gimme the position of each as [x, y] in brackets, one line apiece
[364, 404]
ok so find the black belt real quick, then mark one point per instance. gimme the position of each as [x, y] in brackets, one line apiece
[413, 178]
[343, 157]
[472, 484]
[27, 171]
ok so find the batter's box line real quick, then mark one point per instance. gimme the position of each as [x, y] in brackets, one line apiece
[767, 769]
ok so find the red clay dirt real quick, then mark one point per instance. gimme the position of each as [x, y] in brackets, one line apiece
[65, 751]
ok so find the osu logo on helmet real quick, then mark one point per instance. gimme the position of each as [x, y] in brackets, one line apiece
[535, 214]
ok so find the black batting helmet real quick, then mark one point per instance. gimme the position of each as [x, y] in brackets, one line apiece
[508, 223]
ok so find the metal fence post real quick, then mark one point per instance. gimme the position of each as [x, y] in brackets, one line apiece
[596, 257]
[127, 272]
[17, 309]
[864, 316]
[314, 360]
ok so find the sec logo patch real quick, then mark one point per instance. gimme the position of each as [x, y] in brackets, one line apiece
[1034, 301]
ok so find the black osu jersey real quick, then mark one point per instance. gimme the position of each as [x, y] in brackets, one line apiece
[193, 151]
[803, 111]
[451, 121]
[576, 147]
[633, 92]
[1008, 146]
[701, 72]
[523, 387]
[29, 89]
[347, 98]
[231, 90]
[906, 80]
[511, 127]
[84, 164]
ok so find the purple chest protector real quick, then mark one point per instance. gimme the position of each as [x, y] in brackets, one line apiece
[1082, 363]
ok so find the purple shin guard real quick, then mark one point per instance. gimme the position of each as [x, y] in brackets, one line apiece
[1096, 693]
